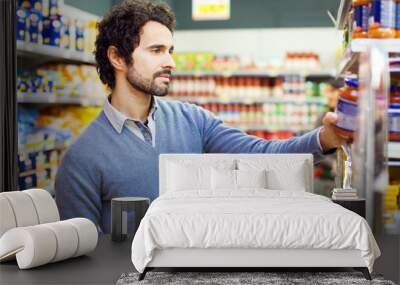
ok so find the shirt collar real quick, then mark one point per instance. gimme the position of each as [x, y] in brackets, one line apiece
[118, 119]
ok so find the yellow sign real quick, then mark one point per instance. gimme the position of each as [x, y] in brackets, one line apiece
[211, 10]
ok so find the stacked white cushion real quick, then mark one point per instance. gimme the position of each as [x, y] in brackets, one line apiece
[22, 207]
[87, 235]
[66, 237]
[251, 179]
[187, 174]
[287, 172]
[31, 232]
[7, 218]
[44, 204]
[183, 178]
[231, 180]
[223, 179]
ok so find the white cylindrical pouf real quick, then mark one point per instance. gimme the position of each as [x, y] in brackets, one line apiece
[34, 246]
[23, 207]
[7, 218]
[67, 239]
[45, 205]
[87, 234]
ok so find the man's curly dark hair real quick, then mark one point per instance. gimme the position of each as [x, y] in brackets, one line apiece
[121, 28]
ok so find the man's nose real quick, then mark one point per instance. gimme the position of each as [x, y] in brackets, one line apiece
[169, 62]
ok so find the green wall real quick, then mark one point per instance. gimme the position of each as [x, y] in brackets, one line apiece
[263, 14]
[244, 13]
[98, 7]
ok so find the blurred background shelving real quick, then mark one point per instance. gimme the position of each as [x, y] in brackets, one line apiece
[360, 36]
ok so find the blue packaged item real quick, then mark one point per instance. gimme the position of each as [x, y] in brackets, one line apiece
[37, 4]
[26, 162]
[35, 20]
[79, 35]
[397, 24]
[22, 15]
[53, 8]
[26, 182]
[51, 30]
[65, 36]
[382, 13]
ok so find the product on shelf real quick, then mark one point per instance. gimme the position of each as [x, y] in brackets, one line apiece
[392, 206]
[61, 80]
[198, 62]
[44, 22]
[397, 24]
[361, 15]
[267, 116]
[347, 109]
[394, 113]
[293, 87]
[302, 61]
[274, 135]
[378, 19]
[43, 136]
[195, 61]
[382, 19]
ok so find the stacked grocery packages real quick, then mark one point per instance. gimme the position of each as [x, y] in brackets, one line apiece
[45, 22]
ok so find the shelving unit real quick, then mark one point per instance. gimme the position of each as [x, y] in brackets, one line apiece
[343, 11]
[40, 151]
[44, 53]
[223, 100]
[394, 150]
[244, 73]
[350, 60]
[373, 165]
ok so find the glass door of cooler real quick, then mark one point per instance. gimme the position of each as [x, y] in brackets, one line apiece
[370, 149]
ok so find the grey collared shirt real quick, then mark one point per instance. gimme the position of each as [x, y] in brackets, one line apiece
[119, 119]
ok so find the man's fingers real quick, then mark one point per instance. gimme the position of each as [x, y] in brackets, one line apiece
[330, 118]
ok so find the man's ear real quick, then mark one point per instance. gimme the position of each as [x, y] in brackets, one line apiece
[115, 59]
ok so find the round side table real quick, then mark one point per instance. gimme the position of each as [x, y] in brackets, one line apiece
[123, 207]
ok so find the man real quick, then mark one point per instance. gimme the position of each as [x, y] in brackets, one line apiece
[118, 153]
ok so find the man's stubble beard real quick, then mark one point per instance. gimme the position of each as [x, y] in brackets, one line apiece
[148, 86]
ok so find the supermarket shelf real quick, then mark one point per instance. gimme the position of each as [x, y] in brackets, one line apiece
[394, 150]
[51, 99]
[349, 61]
[224, 100]
[311, 74]
[263, 127]
[56, 146]
[393, 163]
[343, 11]
[48, 53]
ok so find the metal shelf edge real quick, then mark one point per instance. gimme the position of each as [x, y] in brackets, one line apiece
[54, 52]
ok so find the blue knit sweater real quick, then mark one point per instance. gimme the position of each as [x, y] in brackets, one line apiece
[103, 164]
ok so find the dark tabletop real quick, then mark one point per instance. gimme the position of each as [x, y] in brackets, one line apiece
[104, 265]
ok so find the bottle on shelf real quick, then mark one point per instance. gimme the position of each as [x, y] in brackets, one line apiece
[394, 113]
[347, 109]
[397, 24]
[360, 21]
[382, 19]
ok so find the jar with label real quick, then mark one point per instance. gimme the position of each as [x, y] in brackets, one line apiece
[382, 19]
[360, 21]
[394, 113]
[346, 109]
[397, 24]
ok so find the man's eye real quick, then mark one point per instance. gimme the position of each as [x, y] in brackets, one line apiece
[156, 51]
